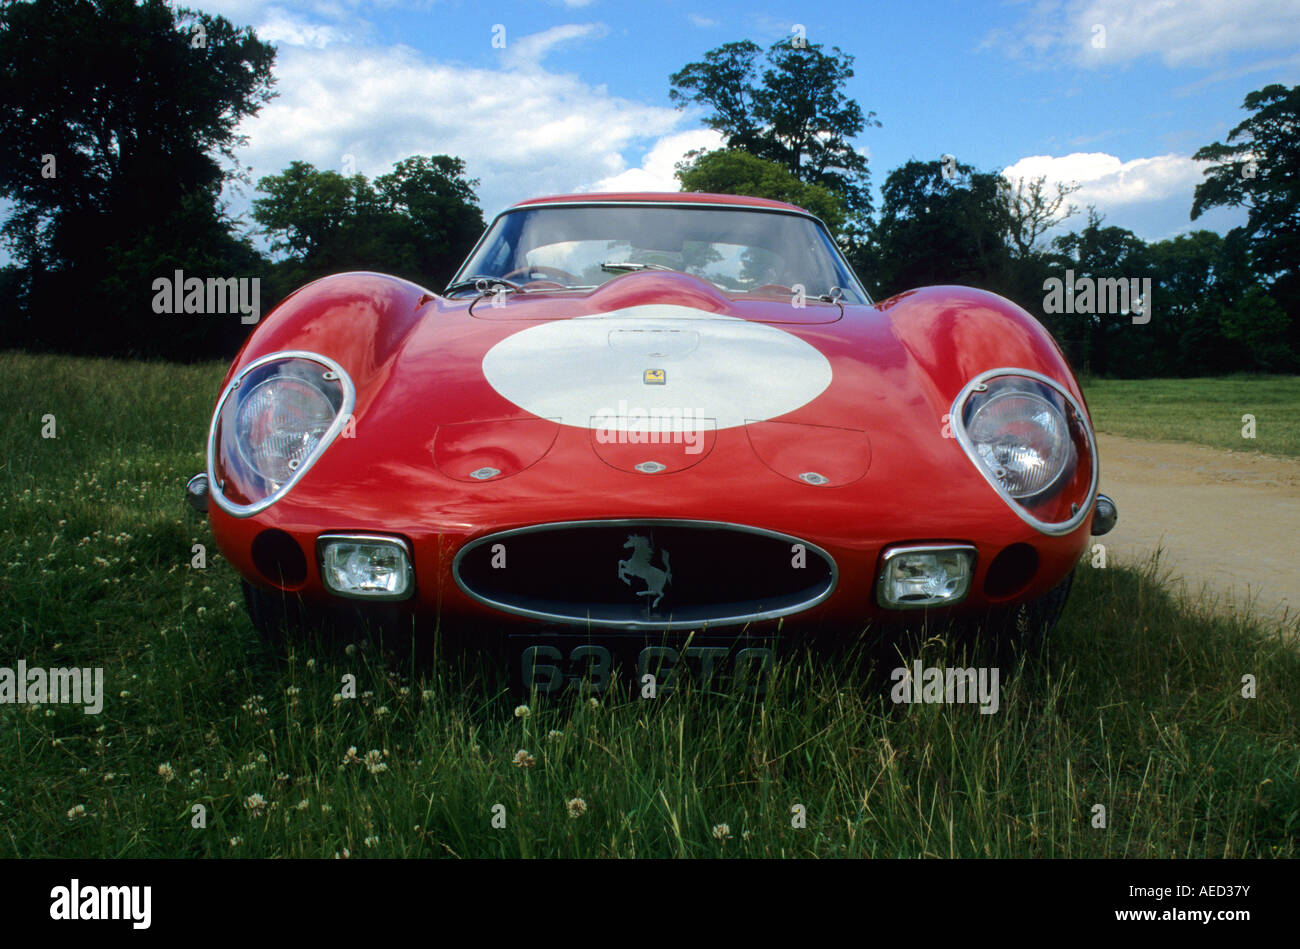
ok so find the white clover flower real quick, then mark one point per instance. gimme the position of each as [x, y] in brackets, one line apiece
[374, 762]
[77, 810]
[577, 807]
[522, 711]
[554, 735]
[523, 759]
[721, 832]
[255, 804]
[165, 771]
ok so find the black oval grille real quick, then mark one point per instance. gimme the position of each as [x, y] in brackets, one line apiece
[639, 574]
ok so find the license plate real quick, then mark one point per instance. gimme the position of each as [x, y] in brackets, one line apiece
[555, 664]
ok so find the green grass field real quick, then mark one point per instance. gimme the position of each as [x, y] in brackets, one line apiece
[1203, 411]
[1135, 705]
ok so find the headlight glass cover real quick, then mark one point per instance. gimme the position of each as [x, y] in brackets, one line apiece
[272, 423]
[1031, 440]
[365, 567]
[1022, 440]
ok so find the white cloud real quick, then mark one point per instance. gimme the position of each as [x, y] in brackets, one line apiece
[655, 172]
[1107, 181]
[1150, 196]
[1179, 33]
[523, 131]
[701, 21]
[283, 28]
[528, 52]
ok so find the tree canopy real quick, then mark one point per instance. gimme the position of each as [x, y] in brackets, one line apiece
[791, 109]
[116, 137]
[417, 221]
[735, 171]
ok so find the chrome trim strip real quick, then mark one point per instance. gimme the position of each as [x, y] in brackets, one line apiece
[891, 552]
[217, 491]
[862, 290]
[963, 439]
[401, 543]
[639, 625]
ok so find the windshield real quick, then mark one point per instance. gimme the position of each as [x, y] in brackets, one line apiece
[740, 250]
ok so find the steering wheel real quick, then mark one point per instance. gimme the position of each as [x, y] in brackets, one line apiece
[542, 268]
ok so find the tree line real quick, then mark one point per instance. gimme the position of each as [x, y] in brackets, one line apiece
[119, 134]
[1217, 303]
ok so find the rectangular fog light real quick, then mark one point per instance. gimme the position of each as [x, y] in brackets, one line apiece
[925, 575]
[365, 567]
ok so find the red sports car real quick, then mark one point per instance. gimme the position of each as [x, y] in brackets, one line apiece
[636, 415]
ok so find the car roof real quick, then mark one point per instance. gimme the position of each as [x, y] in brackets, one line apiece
[661, 197]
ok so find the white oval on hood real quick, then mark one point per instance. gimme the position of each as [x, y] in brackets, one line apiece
[588, 371]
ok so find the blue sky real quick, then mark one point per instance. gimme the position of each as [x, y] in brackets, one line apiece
[1114, 94]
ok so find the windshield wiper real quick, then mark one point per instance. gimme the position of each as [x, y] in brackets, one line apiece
[616, 267]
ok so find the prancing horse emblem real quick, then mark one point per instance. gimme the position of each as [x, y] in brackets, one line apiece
[638, 565]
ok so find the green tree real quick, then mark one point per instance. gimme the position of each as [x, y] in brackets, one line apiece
[791, 110]
[433, 210]
[118, 129]
[418, 221]
[733, 171]
[940, 223]
[1103, 343]
[310, 214]
[1258, 168]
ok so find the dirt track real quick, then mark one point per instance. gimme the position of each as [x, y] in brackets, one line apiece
[1229, 522]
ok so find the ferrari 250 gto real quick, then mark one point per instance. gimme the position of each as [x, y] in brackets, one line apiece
[631, 416]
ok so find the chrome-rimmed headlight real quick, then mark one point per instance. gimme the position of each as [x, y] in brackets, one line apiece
[1028, 437]
[271, 424]
[1021, 438]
